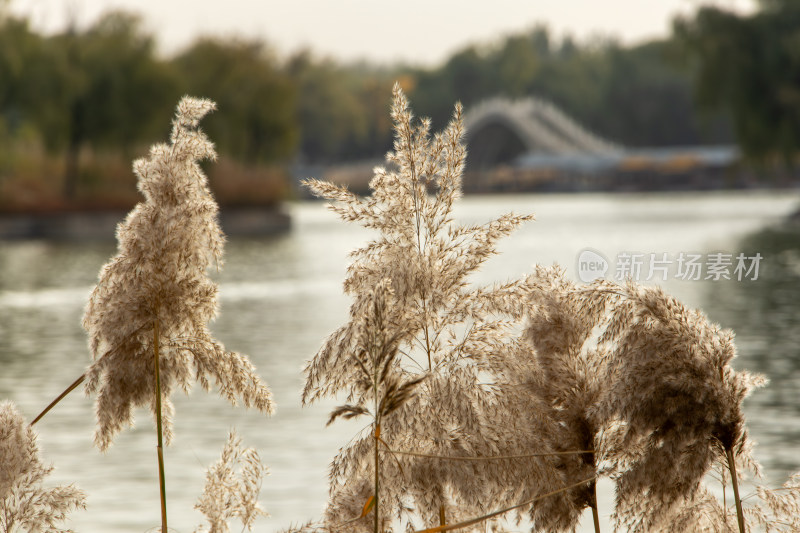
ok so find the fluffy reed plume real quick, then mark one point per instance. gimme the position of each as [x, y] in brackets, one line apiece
[632, 375]
[155, 294]
[25, 505]
[563, 376]
[446, 329]
[669, 381]
[606, 380]
[232, 487]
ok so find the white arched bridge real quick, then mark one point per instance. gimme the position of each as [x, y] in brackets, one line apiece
[531, 140]
[498, 130]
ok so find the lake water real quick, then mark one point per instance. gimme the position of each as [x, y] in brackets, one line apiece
[281, 296]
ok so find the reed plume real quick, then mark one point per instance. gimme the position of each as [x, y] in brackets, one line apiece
[26, 506]
[232, 487]
[563, 375]
[158, 280]
[765, 509]
[447, 330]
[631, 375]
[670, 383]
[533, 389]
[148, 316]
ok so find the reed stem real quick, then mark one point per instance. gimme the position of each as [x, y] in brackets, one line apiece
[377, 478]
[596, 516]
[593, 503]
[75, 384]
[60, 397]
[160, 447]
[487, 457]
[735, 483]
[478, 520]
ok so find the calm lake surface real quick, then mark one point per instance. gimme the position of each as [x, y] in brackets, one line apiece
[281, 296]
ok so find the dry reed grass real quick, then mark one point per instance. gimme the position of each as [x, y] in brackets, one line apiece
[621, 381]
[166, 245]
[26, 505]
[485, 401]
[232, 487]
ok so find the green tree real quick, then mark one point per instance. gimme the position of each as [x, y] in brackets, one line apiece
[517, 63]
[651, 97]
[342, 108]
[102, 87]
[19, 50]
[17, 46]
[638, 95]
[465, 77]
[259, 122]
[374, 90]
[572, 77]
[750, 65]
[331, 116]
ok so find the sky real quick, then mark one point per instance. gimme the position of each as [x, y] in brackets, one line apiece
[419, 32]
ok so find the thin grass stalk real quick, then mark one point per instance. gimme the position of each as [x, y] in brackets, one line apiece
[427, 333]
[377, 435]
[72, 387]
[478, 520]
[418, 221]
[60, 397]
[595, 514]
[377, 478]
[486, 457]
[735, 483]
[160, 447]
[591, 459]
[724, 495]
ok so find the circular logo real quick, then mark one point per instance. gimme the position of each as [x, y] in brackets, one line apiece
[591, 265]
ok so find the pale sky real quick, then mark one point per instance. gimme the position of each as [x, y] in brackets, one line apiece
[422, 32]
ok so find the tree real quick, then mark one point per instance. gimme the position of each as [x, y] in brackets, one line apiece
[102, 87]
[750, 65]
[18, 47]
[259, 123]
[330, 114]
[517, 63]
[638, 95]
[650, 96]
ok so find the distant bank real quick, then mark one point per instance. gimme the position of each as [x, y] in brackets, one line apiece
[101, 225]
[643, 171]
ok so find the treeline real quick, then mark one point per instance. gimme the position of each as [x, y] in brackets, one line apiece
[105, 85]
[639, 95]
[749, 66]
[720, 77]
[82, 94]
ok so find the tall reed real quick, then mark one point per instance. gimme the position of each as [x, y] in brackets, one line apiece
[535, 388]
[680, 401]
[561, 370]
[513, 397]
[147, 318]
[448, 330]
[380, 388]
